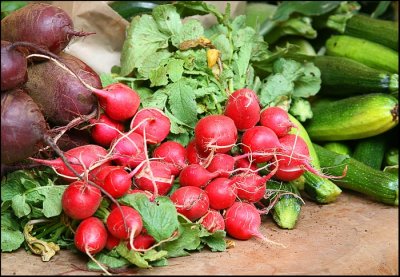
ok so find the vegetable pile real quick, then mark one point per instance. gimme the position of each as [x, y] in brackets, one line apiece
[197, 136]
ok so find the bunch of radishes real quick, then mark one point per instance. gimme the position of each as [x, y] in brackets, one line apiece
[218, 187]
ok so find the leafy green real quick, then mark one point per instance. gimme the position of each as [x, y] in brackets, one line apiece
[7, 7]
[11, 234]
[301, 109]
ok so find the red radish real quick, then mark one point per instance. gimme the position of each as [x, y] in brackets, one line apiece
[90, 236]
[277, 120]
[215, 133]
[81, 159]
[244, 108]
[242, 221]
[98, 174]
[128, 150]
[105, 130]
[80, 200]
[193, 155]
[250, 186]
[262, 141]
[196, 175]
[213, 221]
[292, 159]
[112, 242]
[117, 182]
[173, 154]
[154, 121]
[221, 193]
[155, 177]
[222, 163]
[115, 223]
[142, 242]
[119, 101]
[191, 202]
[245, 165]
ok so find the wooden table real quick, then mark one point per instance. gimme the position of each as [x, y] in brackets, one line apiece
[353, 236]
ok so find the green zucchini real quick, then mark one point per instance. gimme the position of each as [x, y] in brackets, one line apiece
[380, 186]
[286, 210]
[392, 156]
[371, 151]
[319, 189]
[364, 51]
[354, 117]
[341, 76]
[385, 32]
[338, 147]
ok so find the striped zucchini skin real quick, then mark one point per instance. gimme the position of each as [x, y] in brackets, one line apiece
[354, 117]
[364, 51]
[380, 186]
[385, 32]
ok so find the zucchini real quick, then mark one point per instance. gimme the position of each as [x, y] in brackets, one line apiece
[338, 147]
[355, 117]
[371, 151]
[364, 51]
[392, 156]
[319, 189]
[385, 32]
[287, 208]
[341, 76]
[380, 186]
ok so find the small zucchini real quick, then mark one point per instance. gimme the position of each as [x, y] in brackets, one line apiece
[364, 51]
[380, 186]
[338, 147]
[341, 76]
[371, 151]
[319, 189]
[354, 117]
[286, 210]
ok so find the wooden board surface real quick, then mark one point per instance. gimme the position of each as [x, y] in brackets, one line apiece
[353, 236]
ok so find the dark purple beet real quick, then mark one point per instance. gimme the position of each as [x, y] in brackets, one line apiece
[13, 67]
[59, 94]
[40, 23]
[22, 126]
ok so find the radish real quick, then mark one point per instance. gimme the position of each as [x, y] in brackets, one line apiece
[98, 174]
[117, 182]
[81, 159]
[242, 221]
[213, 221]
[250, 186]
[173, 154]
[105, 130]
[215, 133]
[244, 165]
[293, 158]
[111, 242]
[80, 200]
[244, 108]
[262, 141]
[119, 101]
[143, 241]
[192, 202]
[222, 163]
[128, 150]
[277, 120]
[155, 177]
[152, 120]
[90, 236]
[115, 223]
[196, 175]
[194, 156]
[221, 193]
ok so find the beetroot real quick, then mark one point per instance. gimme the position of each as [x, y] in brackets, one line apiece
[23, 126]
[13, 67]
[60, 95]
[42, 24]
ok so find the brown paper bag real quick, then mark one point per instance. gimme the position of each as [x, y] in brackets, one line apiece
[102, 50]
